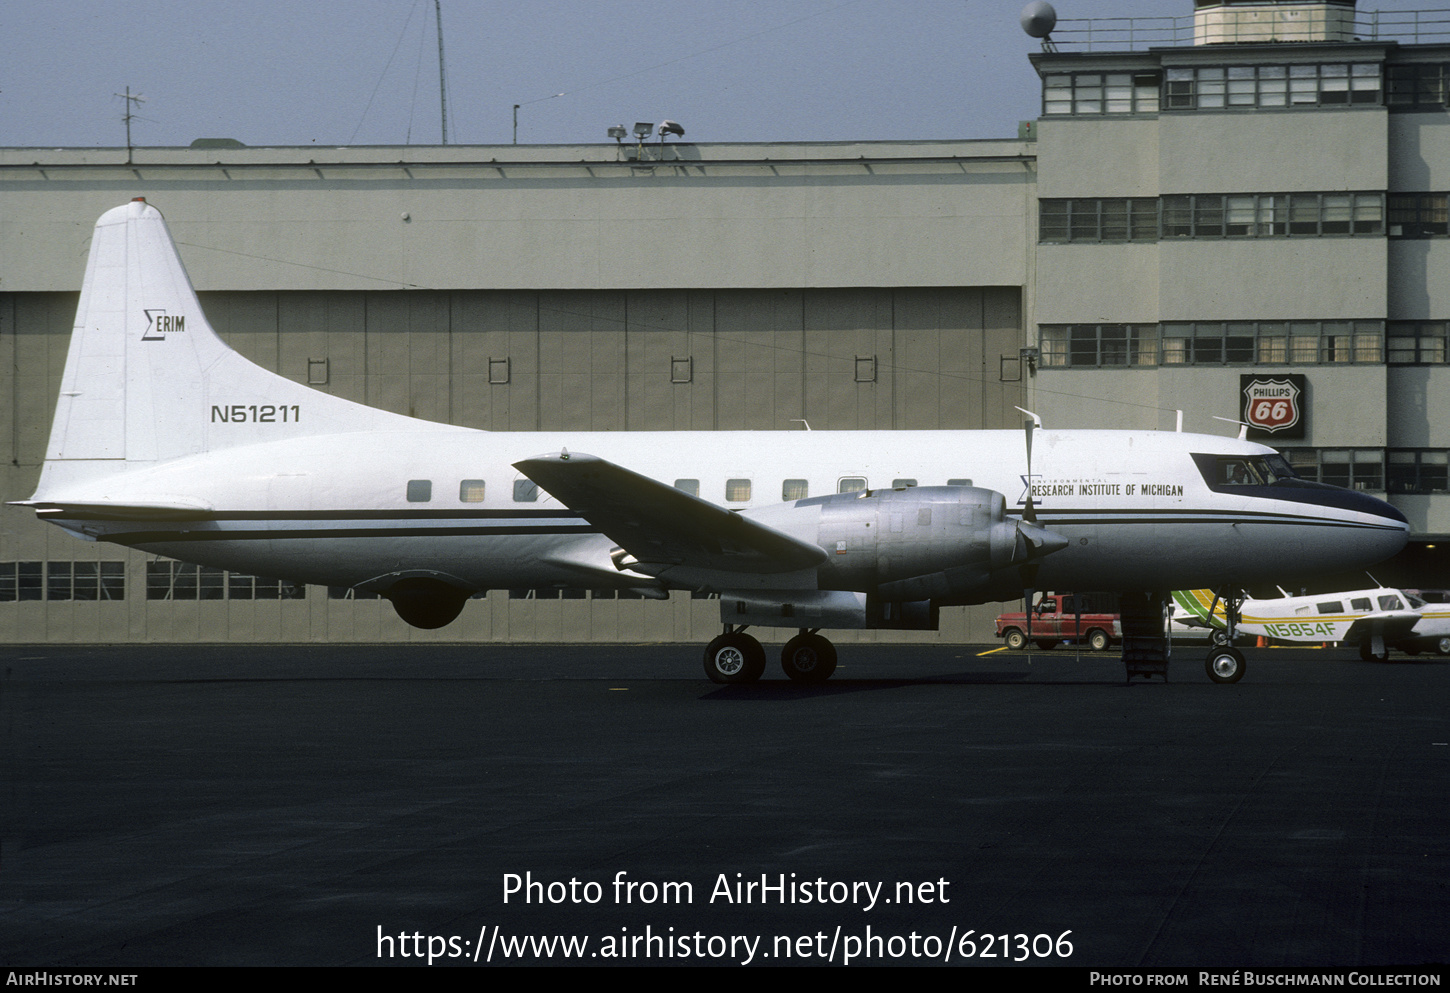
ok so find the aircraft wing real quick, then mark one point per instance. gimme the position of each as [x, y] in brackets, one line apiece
[660, 526]
[1392, 625]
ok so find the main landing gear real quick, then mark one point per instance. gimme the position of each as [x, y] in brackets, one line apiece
[735, 657]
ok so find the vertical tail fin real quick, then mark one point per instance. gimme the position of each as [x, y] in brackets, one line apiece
[147, 379]
[1199, 604]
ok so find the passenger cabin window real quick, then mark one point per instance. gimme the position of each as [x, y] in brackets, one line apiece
[794, 489]
[959, 482]
[525, 491]
[851, 484]
[1361, 603]
[1331, 607]
[470, 491]
[900, 484]
[690, 486]
[420, 490]
[737, 490]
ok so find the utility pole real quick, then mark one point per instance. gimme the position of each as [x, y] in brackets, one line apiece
[442, 76]
[132, 100]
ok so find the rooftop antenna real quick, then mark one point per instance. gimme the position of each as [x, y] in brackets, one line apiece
[1038, 20]
[442, 76]
[133, 100]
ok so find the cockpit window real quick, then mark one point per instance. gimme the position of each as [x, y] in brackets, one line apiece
[1221, 471]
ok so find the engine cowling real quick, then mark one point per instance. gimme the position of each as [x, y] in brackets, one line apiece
[941, 543]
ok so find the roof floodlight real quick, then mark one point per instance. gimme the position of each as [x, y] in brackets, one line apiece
[643, 129]
[617, 132]
[670, 127]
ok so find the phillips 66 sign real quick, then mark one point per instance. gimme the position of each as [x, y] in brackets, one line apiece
[1273, 407]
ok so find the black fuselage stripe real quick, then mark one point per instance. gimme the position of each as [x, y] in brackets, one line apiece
[294, 534]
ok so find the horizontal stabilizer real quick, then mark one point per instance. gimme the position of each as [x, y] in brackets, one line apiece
[178, 510]
[660, 526]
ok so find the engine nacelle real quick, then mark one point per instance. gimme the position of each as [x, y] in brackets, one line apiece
[920, 543]
[824, 609]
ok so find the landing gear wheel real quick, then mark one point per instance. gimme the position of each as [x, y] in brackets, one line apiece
[1225, 665]
[1097, 641]
[808, 658]
[1016, 640]
[1367, 652]
[734, 658]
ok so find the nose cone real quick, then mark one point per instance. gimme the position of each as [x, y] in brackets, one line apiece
[1352, 530]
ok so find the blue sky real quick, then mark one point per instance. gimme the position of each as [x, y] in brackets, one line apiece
[299, 72]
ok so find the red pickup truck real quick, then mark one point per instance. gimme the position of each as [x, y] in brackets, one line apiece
[1061, 617]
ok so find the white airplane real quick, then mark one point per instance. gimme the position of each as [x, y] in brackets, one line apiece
[166, 440]
[1376, 619]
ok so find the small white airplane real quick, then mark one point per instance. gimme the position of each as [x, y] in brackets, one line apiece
[166, 440]
[1375, 619]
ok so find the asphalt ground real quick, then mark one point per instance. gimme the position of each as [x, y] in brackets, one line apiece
[306, 805]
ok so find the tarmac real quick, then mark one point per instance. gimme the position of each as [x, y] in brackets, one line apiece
[463, 805]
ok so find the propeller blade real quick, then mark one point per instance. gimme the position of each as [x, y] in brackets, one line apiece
[1029, 513]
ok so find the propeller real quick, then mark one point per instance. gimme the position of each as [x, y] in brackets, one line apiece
[1035, 541]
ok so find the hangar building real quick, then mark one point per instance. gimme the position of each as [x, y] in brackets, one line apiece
[1254, 193]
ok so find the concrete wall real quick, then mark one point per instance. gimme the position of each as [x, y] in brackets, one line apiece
[531, 217]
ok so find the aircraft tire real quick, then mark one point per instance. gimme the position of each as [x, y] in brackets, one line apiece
[1016, 640]
[1225, 665]
[808, 658]
[734, 658]
[1097, 641]
[1367, 654]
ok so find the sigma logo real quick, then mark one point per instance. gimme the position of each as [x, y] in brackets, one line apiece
[159, 324]
[1273, 405]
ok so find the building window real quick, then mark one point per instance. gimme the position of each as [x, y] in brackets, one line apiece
[1082, 346]
[1352, 468]
[1419, 215]
[1414, 470]
[1417, 86]
[1115, 220]
[1088, 345]
[1416, 343]
[348, 593]
[1213, 215]
[1297, 87]
[1272, 215]
[168, 580]
[1092, 94]
[62, 581]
